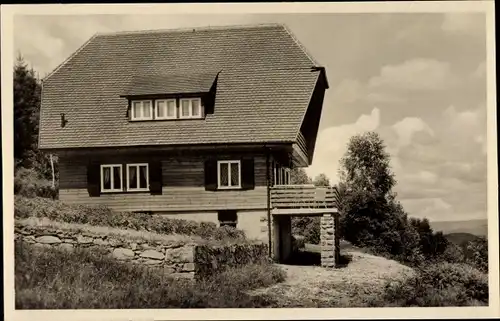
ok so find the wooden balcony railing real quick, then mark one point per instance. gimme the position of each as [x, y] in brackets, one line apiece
[303, 196]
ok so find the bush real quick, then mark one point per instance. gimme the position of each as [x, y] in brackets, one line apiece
[443, 284]
[211, 260]
[476, 253]
[453, 254]
[103, 216]
[53, 279]
[298, 242]
[308, 227]
[29, 183]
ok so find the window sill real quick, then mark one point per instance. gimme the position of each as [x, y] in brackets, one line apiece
[125, 192]
[164, 119]
[142, 119]
[137, 190]
[228, 188]
[112, 191]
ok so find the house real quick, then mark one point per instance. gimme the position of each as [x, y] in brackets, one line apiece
[200, 124]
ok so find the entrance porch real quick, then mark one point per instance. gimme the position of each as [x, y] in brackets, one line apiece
[304, 200]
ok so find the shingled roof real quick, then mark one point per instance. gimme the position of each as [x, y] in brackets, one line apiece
[265, 82]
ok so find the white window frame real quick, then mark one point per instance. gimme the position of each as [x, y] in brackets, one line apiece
[283, 173]
[111, 177]
[228, 162]
[182, 116]
[166, 101]
[287, 176]
[137, 166]
[132, 114]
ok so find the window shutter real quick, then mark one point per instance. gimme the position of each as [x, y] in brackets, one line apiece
[211, 175]
[93, 179]
[247, 173]
[155, 178]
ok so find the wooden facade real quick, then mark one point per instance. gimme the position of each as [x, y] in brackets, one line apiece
[183, 184]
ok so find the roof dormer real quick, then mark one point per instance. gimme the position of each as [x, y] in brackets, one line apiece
[171, 97]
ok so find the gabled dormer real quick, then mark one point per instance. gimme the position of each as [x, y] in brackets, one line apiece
[171, 97]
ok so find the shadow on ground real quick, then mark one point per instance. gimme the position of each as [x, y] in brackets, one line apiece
[304, 258]
[311, 257]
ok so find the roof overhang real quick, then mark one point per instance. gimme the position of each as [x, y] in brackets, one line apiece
[170, 84]
[172, 149]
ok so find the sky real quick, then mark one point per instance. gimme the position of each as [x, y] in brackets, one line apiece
[418, 79]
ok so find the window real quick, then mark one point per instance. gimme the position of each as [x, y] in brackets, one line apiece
[137, 177]
[142, 110]
[227, 218]
[190, 108]
[111, 178]
[281, 175]
[228, 174]
[166, 109]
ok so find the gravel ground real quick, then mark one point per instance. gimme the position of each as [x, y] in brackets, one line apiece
[350, 286]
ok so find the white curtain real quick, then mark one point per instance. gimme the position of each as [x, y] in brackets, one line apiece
[143, 176]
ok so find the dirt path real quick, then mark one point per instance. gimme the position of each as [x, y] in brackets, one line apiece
[313, 286]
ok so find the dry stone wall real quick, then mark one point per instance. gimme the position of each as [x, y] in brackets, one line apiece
[175, 257]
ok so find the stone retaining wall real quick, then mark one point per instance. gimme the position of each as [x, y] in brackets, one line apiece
[175, 257]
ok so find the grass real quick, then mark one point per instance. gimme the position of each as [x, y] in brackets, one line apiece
[54, 210]
[440, 284]
[53, 279]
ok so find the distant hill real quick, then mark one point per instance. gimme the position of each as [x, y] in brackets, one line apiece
[461, 238]
[475, 227]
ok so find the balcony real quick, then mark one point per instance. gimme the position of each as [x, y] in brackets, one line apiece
[303, 199]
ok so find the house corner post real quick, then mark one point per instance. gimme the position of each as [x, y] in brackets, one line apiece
[269, 218]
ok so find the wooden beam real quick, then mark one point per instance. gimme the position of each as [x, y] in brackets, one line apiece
[304, 211]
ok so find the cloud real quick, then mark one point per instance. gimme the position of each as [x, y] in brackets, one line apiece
[416, 75]
[332, 143]
[408, 127]
[433, 208]
[351, 92]
[464, 22]
[435, 177]
[422, 177]
[480, 71]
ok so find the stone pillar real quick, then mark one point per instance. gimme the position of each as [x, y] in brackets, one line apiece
[330, 253]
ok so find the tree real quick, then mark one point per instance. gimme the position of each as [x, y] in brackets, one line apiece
[321, 180]
[370, 214]
[366, 165]
[33, 167]
[298, 176]
[431, 244]
[27, 90]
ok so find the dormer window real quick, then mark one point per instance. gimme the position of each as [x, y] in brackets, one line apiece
[169, 97]
[191, 108]
[166, 109]
[142, 110]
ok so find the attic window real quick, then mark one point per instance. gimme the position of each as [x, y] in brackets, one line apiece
[166, 109]
[191, 108]
[142, 110]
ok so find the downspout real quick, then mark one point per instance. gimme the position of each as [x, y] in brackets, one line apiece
[268, 181]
